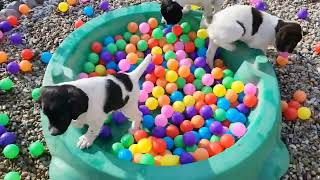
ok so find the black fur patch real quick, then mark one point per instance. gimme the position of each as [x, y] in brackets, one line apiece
[288, 35]
[256, 20]
[171, 11]
[114, 99]
[244, 28]
[125, 79]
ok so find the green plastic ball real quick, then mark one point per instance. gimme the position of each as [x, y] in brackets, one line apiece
[178, 141]
[227, 73]
[139, 61]
[214, 138]
[116, 147]
[89, 67]
[12, 176]
[220, 114]
[227, 82]
[206, 89]
[186, 27]
[112, 48]
[142, 45]
[184, 38]
[191, 148]
[181, 82]
[199, 43]
[11, 151]
[171, 38]
[127, 36]
[147, 159]
[4, 119]
[93, 57]
[127, 140]
[121, 44]
[157, 33]
[170, 55]
[199, 72]
[6, 84]
[35, 94]
[198, 84]
[36, 149]
[108, 120]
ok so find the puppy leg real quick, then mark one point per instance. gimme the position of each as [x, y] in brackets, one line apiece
[132, 112]
[211, 53]
[228, 46]
[93, 131]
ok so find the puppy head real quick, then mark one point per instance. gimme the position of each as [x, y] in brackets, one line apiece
[288, 35]
[62, 104]
[171, 11]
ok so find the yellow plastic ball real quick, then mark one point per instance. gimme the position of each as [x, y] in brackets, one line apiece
[202, 33]
[219, 90]
[152, 103]
[189, 100]
[63, 7]
[134, 148]
[144, 145]
[237, 86]
[304, 113]
[101, 70]
[156, 50]
[178, 106]
[169, 160]
[194, 7]
[157, 91]
[171, 76]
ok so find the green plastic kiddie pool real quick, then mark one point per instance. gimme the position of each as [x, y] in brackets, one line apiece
[260, 154]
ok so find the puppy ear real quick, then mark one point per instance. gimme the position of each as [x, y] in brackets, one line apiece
[77, 101]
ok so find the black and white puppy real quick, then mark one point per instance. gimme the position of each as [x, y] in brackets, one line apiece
[257, 29]
[89, 101]
[173, 10]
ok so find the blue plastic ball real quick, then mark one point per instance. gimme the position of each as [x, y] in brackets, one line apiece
[223, 103]
[202, 52]
[112, 65]
[204, 133]
[209, 122]
[176, 96]
[233, 115]
[108, 40]
[242, 118]
[88, 10]
[178, 151]
[169, 141]
[197, 136]
[45, 57]
[193, 68]
[240, 97]
[125, 154]
[148, 121]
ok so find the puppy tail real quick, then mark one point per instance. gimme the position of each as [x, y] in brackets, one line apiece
[137, 73]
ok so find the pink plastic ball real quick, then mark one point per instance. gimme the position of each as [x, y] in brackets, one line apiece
[189, 89]
[143, 96]
[186, 62]
[1, 35]
[167, 111]
[253, 1]
[250, 89]
[181, 55]
[207, 79]
[144, 28]
[147, 86]
[284, 54]
[124, 65]
[83, 75]
[238, 129]
[84, 1]
[178, 46]
[161, 120]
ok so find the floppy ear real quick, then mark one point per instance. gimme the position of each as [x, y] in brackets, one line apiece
[77, 101]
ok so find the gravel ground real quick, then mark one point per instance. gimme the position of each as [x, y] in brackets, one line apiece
[45, 29]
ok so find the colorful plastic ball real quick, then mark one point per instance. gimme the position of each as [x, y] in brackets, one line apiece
[169, 142]
[294, 104]
[304, 113]
[24, 9]
[142, 45]
[189, 89]
[176, 96]
[238, 129]
[152, 103]
[250, 89]
[171, 76]
[125, 154]
[260, 5]
[144, 28]
[159, 132]
[78, 23]
[88, 67]
[214, 148]
[12, 20]
[227, 140]
[223, 103]
[204, 133]
[199, 43]
[207, 80]
[201, 154]
[189, 100]
[12, 176]
[184, 71]
[63, 7]
[189, 139]
[237, 86]
[157, 33]
[186, 126]
[167, 111]
[206, 112]
[5, 26]
[6, 84]
[316, 47]
[147, 86]
[172, 64]
[147, 159]
[36, 93]
[220, 114]
[202, 33]
[118, 117]
[159, 71]
[116, 147]
[210, 99]
[190, 112]
[45, 57]
[171, 38]
[197, 121]
[88, 11]
[186, 158]
[104, 5]
[3, 57]
[124, 65]
[199, 73]
[159, 146]
[161, 120]
[178, 106]
[4, 119]
[302, 13]
[169, 160]
[250, 101]
[143, 96]
[216, 128]
[127, 140]
[140, 134]
[83, 75]
[36, 149]
[105, 132]
[147, 121]
[300, 96]
[144, 145]
[13, 68]
[177, 118]
[16, 39]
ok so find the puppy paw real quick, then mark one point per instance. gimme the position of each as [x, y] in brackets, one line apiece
[85, 141]
[134, 127]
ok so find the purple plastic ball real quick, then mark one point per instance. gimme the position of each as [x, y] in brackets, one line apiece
[217, 81]
[106, 57]
[206, 112]
[5, 26]
[144, 110]
[208, 69]
[243, 108]
[13, 68]
[260, 5]
[119, 56]
[189, 139]
[2, 130]
[7, 138]
[177, 118]
[105, 132]
[190, 112]
[167, 30]
[193, 55]
[16, 38]
[118, 117]
[150, 68]
[303, 13]
[200, 62]
[216, 128]
[104, 5]
[159, 132]
[207, 42]
[186, 158]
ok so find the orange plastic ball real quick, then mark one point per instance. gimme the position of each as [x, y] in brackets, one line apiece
[184, 71]
[157, 160]
[151, 77]
[163, 100]
[26, 54]
[145, 37]
[199, 96]
[172, 64]
[161, 82]
[134, 39]
[214, 148]
[317, 48]
[131, 48]
[199, 105]
[284, 106]
[300, 96]
[78, 23]
[24, 9]
[217, 73]
[159, 146]
[167, 47]
[159, 71]
[140, 134]
[282, 61]
[157, 59]
[227, 140]
[171, 87]
[192, 35]
[153, 23]
[250, 100]
[72, 2]
[133, 27]
[290, 114]
[197, 121]
[3, 57]
[210, 99]
[136, 157]
[204, 143]
[162, 42]
[231, 96]
[294, 104]
[152, 43]
[234, 104]
[132, 58]
[214, 107]
[218, 63]
[201, 154]
[186, 126]
[25, 66]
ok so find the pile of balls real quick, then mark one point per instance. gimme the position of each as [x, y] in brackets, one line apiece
[190, 112]
[294, 109]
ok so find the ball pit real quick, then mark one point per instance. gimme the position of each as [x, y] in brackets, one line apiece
[173, 158]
